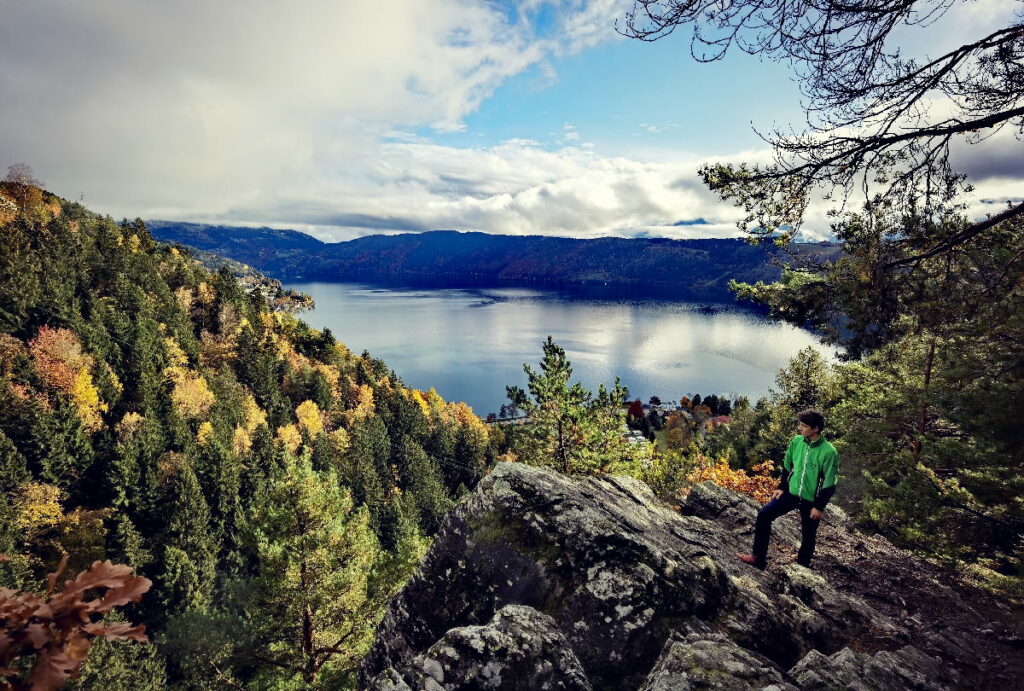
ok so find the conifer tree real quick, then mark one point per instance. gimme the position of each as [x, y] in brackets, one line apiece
[421, 479]
[14, 572]
[189, 558]
[13, 467]
[20, 271]
[368, 470]
[311, 611]
[121, 665]
[570, 429]
[261, 370]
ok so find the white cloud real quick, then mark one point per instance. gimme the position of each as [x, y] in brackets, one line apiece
[592, 21]
[516, 188]
[149, 107]
[311, 115]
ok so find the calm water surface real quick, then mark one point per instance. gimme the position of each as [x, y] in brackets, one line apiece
[469, 344]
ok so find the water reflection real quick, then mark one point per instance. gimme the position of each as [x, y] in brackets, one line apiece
[469, 344]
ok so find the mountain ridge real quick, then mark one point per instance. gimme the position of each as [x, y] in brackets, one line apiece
[691, 268]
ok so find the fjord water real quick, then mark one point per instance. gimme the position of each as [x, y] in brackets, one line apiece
[470, 343]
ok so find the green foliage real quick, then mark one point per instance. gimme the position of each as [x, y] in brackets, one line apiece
[13, 467]
[315, 550]
[121, 664]
[309, 611]
[570, 429]
[927, 411]
[667, 473]
[189, 558]
[14, 573]
[420, 477]
[187, 381]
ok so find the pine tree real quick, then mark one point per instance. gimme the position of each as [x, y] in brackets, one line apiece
[570, 429]
[310, 606]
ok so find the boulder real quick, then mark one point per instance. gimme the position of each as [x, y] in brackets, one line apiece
[538, 580]
[907, 668]
[519, 648]
[712, 661]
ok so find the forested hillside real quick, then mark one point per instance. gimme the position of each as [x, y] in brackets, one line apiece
[695, 268]
[275, 487]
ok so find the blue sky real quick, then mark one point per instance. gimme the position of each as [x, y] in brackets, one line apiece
[349, 118]
[631, 98]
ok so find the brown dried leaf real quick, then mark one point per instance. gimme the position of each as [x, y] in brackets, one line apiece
[6, 643]
[56, 665]
[59, 627]
[123, 631]
[51, 580]
[102, 574]
[131, 591]
[38, 635]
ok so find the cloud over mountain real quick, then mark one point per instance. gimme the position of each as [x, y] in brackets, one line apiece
[331, 117]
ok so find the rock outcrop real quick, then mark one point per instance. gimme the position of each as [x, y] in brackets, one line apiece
[540, 581]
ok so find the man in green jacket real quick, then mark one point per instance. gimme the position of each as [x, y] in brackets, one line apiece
[809, 474]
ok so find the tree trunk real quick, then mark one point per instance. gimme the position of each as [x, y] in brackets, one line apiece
[922, 406]
[309, 659]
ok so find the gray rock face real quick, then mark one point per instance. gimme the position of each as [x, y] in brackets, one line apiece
[520, 648]
[907, 668]
[712, 661]
[537, 580]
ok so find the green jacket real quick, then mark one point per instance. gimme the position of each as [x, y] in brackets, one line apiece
[810, 470]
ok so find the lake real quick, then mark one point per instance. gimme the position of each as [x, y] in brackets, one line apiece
[469, 344]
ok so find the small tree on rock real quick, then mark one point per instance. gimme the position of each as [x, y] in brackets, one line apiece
[570, 428]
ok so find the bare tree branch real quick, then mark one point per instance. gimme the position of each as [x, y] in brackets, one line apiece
[870, 127]
[962, 236]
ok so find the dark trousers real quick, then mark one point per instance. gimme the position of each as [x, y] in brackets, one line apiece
[778, 507]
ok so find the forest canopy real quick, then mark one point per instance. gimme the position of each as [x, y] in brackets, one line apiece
[273, 486]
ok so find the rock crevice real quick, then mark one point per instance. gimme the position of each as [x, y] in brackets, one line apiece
[537, 580]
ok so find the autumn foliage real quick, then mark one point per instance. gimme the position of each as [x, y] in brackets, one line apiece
[758, 483]
[140, 399]
[58, 627]
[64, 367]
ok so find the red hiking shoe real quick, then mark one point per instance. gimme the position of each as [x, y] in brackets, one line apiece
[750, 559]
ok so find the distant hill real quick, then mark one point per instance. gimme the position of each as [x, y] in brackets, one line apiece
[278, 298]
[694, 268]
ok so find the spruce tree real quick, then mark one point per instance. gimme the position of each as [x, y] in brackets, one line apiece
[13, 466]
[310, 608]
[189, 557]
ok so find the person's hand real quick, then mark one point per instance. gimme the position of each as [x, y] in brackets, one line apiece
[816, 514]
[777, 494]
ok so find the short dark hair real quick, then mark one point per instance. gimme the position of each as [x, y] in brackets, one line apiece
[812, 418]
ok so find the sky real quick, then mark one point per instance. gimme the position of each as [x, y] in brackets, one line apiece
[344, 119]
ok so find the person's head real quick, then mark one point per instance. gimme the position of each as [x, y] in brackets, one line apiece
[810, 423]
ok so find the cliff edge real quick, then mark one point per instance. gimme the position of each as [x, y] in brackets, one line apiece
[541, 581]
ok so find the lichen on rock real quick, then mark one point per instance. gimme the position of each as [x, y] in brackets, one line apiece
[538, 580]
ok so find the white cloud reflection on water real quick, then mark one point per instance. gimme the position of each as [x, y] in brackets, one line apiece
[469, 344]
